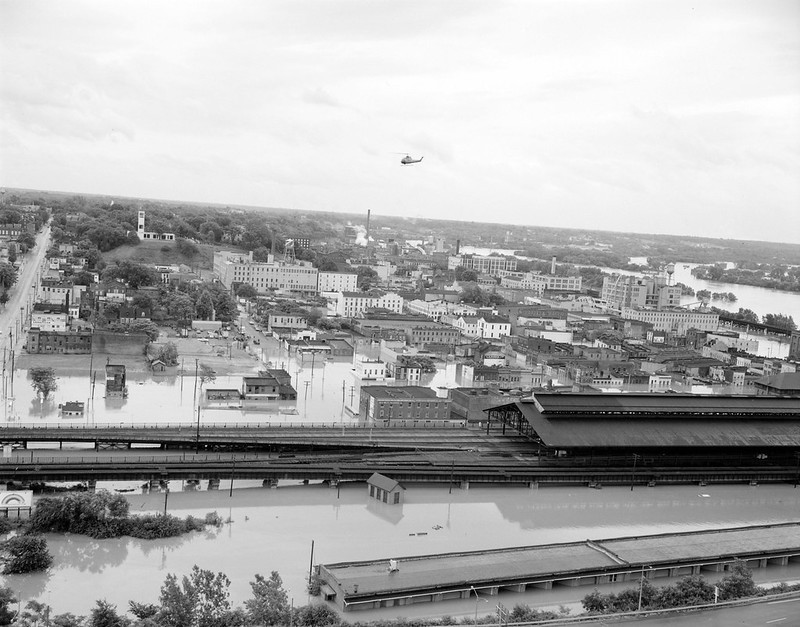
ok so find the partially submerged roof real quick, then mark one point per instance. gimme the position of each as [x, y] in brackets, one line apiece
[383, 482]
[462, 570]
[660, 420]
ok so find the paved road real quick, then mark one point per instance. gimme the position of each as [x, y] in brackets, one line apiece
[780, 613]
[23, 293]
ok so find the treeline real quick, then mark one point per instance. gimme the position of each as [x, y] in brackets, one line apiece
[709, 295]
[689, 591]
[781, 321]
[202, 599]
[771, 276]
[110, 225]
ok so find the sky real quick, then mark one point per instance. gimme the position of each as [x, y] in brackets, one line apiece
[654, 116]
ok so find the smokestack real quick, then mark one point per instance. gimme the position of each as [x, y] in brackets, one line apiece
[553, 265]
[458, 246]
[369, 211]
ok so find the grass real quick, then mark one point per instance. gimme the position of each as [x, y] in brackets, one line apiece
[162, 253]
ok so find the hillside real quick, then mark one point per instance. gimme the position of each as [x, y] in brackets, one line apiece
[163, 253]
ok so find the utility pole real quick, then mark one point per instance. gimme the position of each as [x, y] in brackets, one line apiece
[197, 436]
[196, 366]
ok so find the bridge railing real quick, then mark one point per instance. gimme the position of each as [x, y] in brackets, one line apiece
[189, 426]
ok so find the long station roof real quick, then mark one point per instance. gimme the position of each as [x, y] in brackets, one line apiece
[661, 420]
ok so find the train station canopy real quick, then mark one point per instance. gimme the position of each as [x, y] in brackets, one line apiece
[568, 421]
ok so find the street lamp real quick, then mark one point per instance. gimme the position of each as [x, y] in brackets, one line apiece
[641, 586]
[476, 603]
[633, 473]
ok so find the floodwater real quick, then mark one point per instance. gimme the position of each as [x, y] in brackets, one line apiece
[272, 529]
[322, 387]
[761, 300]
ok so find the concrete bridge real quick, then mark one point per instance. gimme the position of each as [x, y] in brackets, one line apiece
[259, 436]
[456, 467]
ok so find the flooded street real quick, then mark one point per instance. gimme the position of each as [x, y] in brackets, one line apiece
[272, 529]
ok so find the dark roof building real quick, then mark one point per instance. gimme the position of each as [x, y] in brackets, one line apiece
[580, 423]
[782, 384]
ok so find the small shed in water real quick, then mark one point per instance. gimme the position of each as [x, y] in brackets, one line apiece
[384, 489]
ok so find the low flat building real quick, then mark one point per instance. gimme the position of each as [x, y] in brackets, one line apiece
[272, 384]
[50, 317]
[59, 342]
[385, 403]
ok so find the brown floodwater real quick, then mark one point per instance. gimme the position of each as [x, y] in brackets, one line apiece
[272, 529]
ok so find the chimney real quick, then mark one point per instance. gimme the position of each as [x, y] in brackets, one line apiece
[458, 246]
[553, 265]
[369, 211]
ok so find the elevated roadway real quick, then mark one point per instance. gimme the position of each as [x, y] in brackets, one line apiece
[257, 436]
[459, 467]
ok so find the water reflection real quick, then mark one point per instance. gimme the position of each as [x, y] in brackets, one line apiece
[86, 554]
[272, 529]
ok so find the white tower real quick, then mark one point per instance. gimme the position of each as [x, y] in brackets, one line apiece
[140, 225]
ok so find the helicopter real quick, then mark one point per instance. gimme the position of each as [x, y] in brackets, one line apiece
[407, 159]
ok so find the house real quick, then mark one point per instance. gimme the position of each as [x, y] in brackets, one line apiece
[157, 365]
[384, 489]
[72, 409]
[116, 381]
[49, 317]
[493, 327]
[129, 314]
[272, 384]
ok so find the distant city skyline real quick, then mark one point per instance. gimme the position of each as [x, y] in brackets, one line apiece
[655, 117]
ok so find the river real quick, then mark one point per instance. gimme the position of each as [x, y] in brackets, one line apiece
[272, 529]
[761, 300]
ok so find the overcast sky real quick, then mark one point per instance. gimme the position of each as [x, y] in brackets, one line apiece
[633, 115]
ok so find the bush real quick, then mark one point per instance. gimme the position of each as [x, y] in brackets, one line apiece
[26, 554]
[105, 515]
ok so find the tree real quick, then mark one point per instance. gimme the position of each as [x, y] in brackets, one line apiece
[187, 248]
[3, 298]
[43, 381]
[180, 306]
[8, 275]
[207, 374]
[168, 353]
[142, 611]
[269, 604]
[145, 326]
[7, 602]
[781, 321]
[68, 619]
[143, 301]
[201, 600]
[315, 616]
[35, 613]
[104, 614]
[367, 278]
[82, 278]
[738, 583]
[26, 554]
[204, 306]
[245, 290]
[134, 274]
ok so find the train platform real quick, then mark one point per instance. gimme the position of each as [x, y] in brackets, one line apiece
[405, 580]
